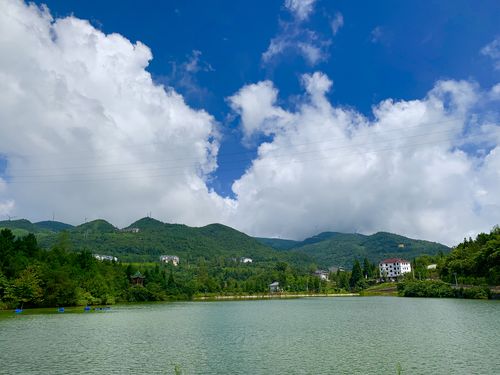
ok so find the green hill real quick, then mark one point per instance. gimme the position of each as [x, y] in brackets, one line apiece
[20, 224]
[95, 226]
[278, 243]
[147, 239]
[339, 249]
[53, 226]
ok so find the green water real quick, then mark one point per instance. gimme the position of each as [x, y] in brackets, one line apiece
[350, 335]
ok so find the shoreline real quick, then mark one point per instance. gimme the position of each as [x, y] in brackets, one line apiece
[271, 296]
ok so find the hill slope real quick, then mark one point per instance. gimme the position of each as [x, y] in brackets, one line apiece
[53, 226]
[339, 249]
[147, 239]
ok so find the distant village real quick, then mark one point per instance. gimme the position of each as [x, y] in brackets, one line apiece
[390, 269]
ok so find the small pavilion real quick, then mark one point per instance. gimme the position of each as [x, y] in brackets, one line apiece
[138, 278]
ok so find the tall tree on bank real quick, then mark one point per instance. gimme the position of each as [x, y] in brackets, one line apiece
[356, 275]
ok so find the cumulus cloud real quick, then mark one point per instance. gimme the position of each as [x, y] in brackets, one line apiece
[255, 104]
[86, 132]
[492, 50]
[405, 171]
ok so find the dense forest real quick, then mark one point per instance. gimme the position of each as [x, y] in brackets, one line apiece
[469, 271]
[31, 276]
[339, 249]
[67, 273]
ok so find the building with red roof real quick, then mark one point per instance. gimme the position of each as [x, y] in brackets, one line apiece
[393, 267]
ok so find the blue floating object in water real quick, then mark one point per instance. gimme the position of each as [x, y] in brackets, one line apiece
[60, 309]
[86, 308]
[18, 311]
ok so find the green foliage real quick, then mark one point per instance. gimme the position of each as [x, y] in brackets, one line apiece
[332, 248]
[425, 288]
[356, 282]
[156, 238]
[474, 261]
[278, 243]
[63, 276]
[438, 288]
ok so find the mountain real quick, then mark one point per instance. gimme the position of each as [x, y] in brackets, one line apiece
[146, 223]
[278, 243]
[146, 239]
[20, 224]
[339, 249]
[95, 226]
[53, 226]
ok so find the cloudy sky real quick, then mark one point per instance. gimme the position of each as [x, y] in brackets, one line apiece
[278, 118]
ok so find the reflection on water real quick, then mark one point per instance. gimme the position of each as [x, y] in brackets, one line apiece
[360, 335]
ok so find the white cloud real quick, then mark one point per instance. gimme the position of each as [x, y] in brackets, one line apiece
[301, 9]
[337, 23]
[86, 132]
[256, 106]
[492, 50]
[294, 39]
[330, 168]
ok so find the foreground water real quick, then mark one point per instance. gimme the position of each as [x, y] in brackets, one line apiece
[357, 335]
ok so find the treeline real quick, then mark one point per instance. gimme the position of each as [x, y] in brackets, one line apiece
[474, 262]
[34, 277]
[466, 272]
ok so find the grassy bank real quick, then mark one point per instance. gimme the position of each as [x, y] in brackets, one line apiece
[383, 289]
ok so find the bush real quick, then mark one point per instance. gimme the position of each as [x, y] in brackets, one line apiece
[425, 288]
[438, 288]
[476, 292]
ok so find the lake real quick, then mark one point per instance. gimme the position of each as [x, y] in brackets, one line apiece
[346, 335]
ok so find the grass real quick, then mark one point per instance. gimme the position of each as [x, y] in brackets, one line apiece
[383, 289]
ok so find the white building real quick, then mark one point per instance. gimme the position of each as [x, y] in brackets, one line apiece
[432, 266]
[246, 260]
[174, 259]
[394, 267]
[274, 287]
[109, 258]
[131, 230]
[322, 274]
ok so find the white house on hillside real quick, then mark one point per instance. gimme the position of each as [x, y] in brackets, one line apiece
[394, 267]
[109, 258]
[174, 259]
[246, 260]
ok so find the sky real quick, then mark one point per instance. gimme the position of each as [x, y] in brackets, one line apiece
[278, 118]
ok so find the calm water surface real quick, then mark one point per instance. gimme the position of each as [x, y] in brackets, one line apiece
[359, 335]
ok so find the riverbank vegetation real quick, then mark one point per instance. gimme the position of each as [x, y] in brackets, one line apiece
[31, 276]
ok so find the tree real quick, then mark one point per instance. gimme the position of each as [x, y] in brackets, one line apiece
[367, 269]
[26, 288]
[356, 275]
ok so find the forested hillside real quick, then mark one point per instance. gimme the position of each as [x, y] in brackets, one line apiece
[339, 249]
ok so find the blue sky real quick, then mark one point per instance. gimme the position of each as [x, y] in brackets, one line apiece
[279, 118]
[385, 49]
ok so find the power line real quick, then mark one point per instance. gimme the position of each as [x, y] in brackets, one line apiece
[223, 169]
[241, 160]
[219, 155]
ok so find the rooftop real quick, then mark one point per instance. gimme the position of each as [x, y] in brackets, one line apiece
[394, 260]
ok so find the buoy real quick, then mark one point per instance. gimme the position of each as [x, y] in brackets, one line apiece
[60, 309]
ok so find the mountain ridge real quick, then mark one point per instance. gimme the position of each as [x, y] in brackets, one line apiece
[147, 238]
